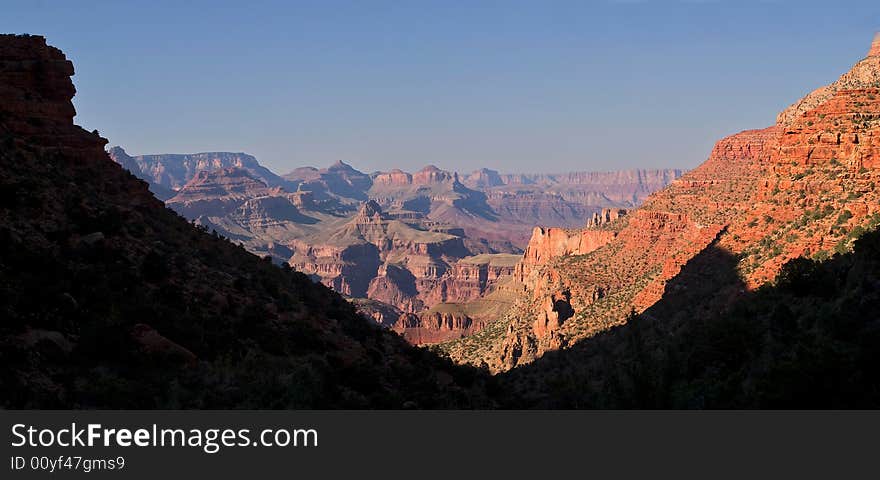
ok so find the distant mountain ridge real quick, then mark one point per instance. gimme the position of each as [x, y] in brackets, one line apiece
[170, 172]
[623, 188]
[562, 199]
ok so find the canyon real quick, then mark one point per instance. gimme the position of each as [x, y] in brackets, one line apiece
[752, 281]
[420, 242]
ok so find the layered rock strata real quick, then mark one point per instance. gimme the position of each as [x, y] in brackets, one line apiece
[806, 186]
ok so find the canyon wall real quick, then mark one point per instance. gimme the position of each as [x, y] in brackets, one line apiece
[806, 187]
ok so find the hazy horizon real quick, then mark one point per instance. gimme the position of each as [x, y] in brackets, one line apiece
[514, 87]
[413, 169]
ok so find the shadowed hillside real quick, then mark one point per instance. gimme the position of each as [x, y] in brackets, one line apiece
[110, 300]
[811, 339]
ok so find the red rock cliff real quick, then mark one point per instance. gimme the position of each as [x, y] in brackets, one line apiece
[804, 187]
[36, 90]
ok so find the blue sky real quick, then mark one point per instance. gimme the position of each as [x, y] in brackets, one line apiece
[515, 86]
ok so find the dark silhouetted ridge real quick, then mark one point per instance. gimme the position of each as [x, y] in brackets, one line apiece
[110, 300]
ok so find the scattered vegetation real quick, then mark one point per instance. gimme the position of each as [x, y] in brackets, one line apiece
[811, 339]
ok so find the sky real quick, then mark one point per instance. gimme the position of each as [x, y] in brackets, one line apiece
[539, 86]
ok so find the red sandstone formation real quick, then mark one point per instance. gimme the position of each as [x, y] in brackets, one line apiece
[431, 175]
[804, 187]
[384, 259]
[36, 92]
[606, 216]
[448, 321]
[215, 193]
[548, 244]
[394, 177]
[339, 182]
[864, 74]
[436, 326]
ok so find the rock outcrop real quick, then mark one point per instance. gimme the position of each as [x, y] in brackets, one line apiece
[216, 193]
[447, 321]
[865, 74]
[36, 92]
[340, 181]
[437, 325]
[606, 216]
[549, 244]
